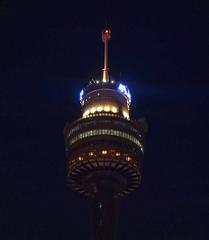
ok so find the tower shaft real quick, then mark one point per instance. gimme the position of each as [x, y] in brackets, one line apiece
[104, 216]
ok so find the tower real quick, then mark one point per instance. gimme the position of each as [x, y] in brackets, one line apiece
[104, 147]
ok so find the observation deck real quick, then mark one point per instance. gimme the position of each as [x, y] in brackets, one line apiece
[104, 146]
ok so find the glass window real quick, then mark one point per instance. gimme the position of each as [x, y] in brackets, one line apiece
[110, 132]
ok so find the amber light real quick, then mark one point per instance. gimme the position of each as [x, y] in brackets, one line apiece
[93, 110]
[125, 114]
[107, 108]
[100, 108]
[114, 109]
[104, 152]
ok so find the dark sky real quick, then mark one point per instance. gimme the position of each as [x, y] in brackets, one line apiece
[49, 50]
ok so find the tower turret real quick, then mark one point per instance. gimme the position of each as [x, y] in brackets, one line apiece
[104, 147]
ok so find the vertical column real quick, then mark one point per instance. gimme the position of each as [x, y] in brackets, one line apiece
[103, 217]
[104, 214]
[106, 35]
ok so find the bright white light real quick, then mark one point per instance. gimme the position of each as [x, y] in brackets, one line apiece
[93, 110]
[107, 108]
[125, 114]
[104, 152]
[124, 89]
[99, 108]
[81, 94]
[128, 158]
[97, 82]
[114, 109]
[86, 113]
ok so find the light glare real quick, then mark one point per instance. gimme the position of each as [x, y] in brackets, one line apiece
[125, 114]
[93, 110]
[81, 94]
[124, 89]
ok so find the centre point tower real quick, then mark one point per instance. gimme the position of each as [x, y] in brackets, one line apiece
[104, 148]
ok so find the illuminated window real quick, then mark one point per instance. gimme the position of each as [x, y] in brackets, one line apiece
[80, 158]
[104, 152]
[91, 153]
[117, 154]
[110, 132]
[128, 158]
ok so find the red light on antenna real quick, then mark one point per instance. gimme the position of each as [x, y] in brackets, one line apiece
[106, 34]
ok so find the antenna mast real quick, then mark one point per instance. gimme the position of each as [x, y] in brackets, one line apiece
[106, 35]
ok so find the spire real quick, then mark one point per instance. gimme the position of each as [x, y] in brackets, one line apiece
[106, 35]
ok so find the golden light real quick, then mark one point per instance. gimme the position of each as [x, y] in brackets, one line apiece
[91, 153]
[93, 110]
[80, 158]
[104, 152]
[114, 109]
[86, 113]
[125, 114]
[107, 108]
[117, 154]
[99, 108]
[128, 158]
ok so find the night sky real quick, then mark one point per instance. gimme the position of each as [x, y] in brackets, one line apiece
[49, 51]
